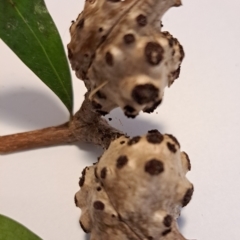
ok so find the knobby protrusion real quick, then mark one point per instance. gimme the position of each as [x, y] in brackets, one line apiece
[118, 49]
[136, 190]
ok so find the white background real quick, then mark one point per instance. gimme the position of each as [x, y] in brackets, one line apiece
[202, 109]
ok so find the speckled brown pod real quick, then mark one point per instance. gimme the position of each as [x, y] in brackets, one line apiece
[136, 190]
[118, 49]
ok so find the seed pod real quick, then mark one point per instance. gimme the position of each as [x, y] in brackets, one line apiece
[136, 190]
[118, 49]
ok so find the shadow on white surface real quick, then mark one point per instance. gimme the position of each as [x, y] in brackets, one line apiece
[87, 237]
[92, 152]
[30, 108]
[137, 126]
[181, 223]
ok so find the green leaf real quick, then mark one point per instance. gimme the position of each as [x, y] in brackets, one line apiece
[28, 29]
[12, 230]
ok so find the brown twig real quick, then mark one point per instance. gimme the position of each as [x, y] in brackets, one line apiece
[86, 126]
[34, 139]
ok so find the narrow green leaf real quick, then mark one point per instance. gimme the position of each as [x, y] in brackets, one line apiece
[12, 230]
[28, 29]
